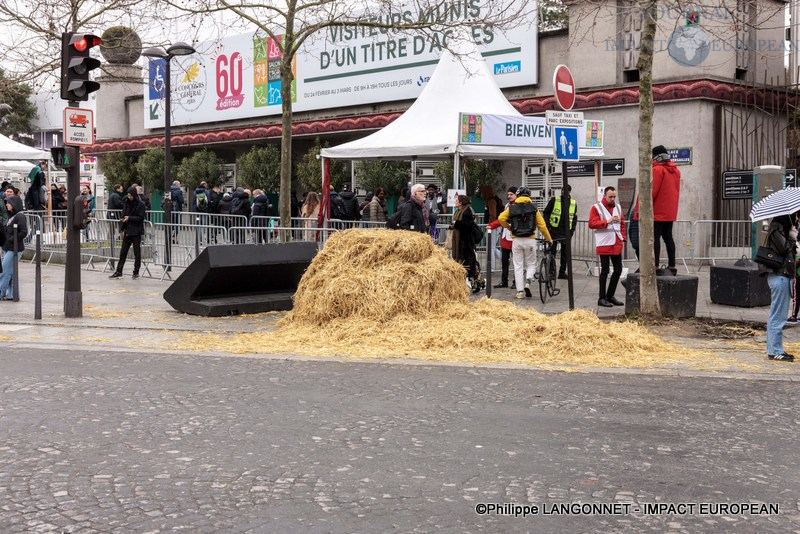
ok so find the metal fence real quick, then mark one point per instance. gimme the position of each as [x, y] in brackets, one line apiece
[698, 243]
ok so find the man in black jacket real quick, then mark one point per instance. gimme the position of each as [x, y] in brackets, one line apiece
[132, 227]
[412, 216]
[115, 202]
[350, 204]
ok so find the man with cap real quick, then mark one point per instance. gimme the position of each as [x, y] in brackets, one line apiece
[666, 194]
[505, 240]
[522, 218]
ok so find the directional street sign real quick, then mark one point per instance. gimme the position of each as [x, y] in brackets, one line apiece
[739, 184]
[564, 86]
[565, 141]
[611, 167]
[564, 118]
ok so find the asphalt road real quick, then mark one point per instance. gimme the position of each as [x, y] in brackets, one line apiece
[131, 442]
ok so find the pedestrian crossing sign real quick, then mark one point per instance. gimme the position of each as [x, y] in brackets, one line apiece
[565, 144]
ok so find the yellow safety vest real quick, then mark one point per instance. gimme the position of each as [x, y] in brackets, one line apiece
[555, 216]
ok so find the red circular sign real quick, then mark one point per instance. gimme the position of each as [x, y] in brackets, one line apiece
[564, 86]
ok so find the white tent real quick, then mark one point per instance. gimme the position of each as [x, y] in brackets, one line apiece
[10, 149]
[461, 83]
[18, 166]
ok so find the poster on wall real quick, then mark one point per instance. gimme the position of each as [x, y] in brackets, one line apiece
[238, 77]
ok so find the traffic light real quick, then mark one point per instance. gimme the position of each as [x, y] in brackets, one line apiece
[81, 214]
[76, 65]
[64, 157]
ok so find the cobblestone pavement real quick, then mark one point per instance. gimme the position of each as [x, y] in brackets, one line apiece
[98, 441]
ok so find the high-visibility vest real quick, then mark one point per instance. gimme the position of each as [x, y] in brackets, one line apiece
[555, 216]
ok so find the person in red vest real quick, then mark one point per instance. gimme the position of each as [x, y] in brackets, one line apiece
[608, 223]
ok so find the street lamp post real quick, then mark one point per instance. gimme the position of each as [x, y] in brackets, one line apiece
[178, 49]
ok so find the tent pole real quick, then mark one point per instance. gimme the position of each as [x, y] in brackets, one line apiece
[456, 169]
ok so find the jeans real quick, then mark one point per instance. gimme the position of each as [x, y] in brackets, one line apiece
[616, 260]
[663, 229]
[505, 261]
[524, 255]
[781, 293]
[6, 280]
[136, 241]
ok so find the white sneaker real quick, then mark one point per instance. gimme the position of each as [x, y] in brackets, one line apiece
[520, 295]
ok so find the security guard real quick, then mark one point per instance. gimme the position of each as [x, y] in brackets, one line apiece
[552, 214]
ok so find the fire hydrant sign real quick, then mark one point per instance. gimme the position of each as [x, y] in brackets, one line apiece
[78, 126]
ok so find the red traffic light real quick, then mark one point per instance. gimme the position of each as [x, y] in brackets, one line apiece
[76, 64]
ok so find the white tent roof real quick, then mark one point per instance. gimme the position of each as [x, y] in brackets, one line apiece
[10, 149]
[460, 83]
[16, 166]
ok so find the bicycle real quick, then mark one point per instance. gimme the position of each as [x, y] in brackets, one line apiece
[547, 273]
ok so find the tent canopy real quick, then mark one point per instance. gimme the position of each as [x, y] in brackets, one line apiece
[460, 83]
[18, 166]
[10, 149]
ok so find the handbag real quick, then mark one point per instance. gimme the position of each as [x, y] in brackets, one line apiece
[768, 256]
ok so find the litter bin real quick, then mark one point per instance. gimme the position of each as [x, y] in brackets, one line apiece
[739, 285]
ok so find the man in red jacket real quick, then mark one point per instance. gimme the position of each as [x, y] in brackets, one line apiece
[608, 223]
[666, 194]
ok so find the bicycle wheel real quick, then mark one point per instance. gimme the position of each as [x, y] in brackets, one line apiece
[543, 274]
[552, 276]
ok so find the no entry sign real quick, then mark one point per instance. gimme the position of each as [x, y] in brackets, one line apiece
[564, 86]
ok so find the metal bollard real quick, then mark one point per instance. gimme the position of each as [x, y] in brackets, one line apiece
[37, 311]
[197, 237]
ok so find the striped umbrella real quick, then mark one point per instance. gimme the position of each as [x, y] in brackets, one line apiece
[783, 202]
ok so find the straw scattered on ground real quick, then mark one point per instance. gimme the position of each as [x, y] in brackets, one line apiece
[391, 294]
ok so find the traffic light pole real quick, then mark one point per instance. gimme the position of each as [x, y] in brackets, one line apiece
[73, 297]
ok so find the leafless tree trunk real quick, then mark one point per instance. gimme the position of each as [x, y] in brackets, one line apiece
[648, 290]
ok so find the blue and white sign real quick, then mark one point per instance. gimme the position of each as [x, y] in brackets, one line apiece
[565, 144]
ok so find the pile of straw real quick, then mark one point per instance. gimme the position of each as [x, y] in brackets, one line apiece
[386, 294]
[377, 275]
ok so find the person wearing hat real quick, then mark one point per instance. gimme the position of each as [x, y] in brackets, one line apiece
[666, 195]
[132, 227]
[522, 218]
[505, 240]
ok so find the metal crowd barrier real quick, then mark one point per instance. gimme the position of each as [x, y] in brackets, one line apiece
[699, 242]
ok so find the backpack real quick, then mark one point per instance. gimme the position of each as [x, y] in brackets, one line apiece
[338, 209]
[202, 201]
[393, 222]
[523, 219]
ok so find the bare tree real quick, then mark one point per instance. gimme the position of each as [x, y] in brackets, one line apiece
[292, 23]
[731, 22]
[30, 44]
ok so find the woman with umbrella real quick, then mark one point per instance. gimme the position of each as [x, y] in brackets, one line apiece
[782, 238]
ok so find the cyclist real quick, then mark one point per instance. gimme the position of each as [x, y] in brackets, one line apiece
[522, 218]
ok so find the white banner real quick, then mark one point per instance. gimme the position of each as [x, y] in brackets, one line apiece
[505, 130]
[237, 77]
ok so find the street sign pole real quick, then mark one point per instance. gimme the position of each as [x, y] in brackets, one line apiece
[73, 297]
[565, 223]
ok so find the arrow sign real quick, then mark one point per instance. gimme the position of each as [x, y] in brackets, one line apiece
[564, 86]
[611, 167]
[154, 111]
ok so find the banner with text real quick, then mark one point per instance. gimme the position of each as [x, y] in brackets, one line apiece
[238, 77]
[505, 130]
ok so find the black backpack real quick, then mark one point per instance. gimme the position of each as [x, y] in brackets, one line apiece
[523, 219]
[393, 222]
[338, 209]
